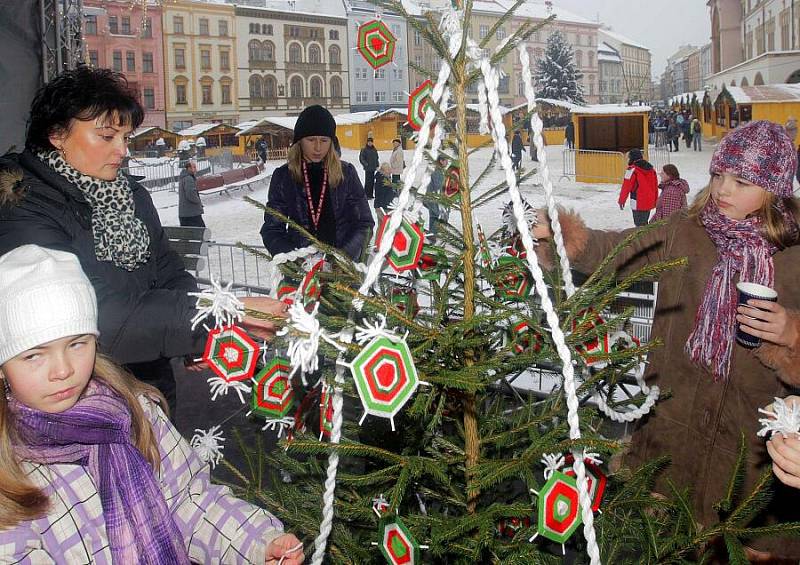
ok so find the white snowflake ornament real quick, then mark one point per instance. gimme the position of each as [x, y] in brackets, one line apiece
[208, 444]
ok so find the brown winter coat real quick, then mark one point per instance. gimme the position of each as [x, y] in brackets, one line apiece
[700, 425]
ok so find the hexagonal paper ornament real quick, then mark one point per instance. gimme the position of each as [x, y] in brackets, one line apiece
[397, 543]
[385, 376]
[273, 395]
[231, 353]
[597, 479]
[431, 263]
[559, 513]
[376, 43]
[405, 300]
[513, 281]
[524, 339]
[451, 178]
[596, 349]
[310, 286]
[406, 247]
[286, 292]
[418, 103]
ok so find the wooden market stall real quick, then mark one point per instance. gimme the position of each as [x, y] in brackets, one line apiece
[218, 137]
[145, 138]
[277, 130]
[353, 129]
[604, 133]
[736, 105]
[555, 115]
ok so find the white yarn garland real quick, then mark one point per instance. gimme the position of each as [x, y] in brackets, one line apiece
[282, 258]
[782, 418]
[491, 80]
[208, 444]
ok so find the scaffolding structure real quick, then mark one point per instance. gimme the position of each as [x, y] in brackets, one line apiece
[62, 36]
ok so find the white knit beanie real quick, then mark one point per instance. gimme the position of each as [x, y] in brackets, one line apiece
[44, 295]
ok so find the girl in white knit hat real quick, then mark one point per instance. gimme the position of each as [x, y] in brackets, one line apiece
[91, 469]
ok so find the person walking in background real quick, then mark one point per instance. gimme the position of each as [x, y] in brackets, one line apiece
[318, 191]
[569, 134]
[262, 148]
[641, 185]
[673, 192]
[384, 190]
[673, 134]
[92, 471]
[516, 150]
[190, 207]
[369, 161]
[686, 129]
[696, 131]
[437, 212]
[397, 160]
[791, 130]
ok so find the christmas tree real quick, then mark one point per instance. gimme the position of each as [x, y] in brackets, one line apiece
[556, 75]
[409, 443]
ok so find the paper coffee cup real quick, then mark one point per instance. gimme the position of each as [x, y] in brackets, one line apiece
[748, 291]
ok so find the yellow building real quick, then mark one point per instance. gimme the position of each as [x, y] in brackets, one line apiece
[200, 63]
[735, 105]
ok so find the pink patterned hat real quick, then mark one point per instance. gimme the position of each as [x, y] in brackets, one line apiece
[759, 152]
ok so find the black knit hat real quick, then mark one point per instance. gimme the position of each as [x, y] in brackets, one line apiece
[314, 120]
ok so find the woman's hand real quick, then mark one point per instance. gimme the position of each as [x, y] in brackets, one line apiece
[263, 329]
[769, 321]
[285, 550]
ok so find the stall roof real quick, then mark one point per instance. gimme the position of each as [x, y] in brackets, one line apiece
[765, 93]
[688, 95]
[142, 131]
[199, 129]
[600, 109]
[288, 122]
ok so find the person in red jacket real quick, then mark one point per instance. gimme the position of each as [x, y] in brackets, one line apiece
[641, 184]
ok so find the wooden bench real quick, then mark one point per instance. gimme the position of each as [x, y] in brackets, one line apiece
[191, 244]
[233, 179]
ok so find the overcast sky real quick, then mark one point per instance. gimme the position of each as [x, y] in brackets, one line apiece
[661, 25]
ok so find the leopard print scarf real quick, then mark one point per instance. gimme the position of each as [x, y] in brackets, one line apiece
[119, 236]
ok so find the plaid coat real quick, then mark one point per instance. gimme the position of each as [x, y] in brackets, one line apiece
[217, 527]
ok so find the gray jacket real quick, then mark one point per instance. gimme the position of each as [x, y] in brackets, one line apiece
[189, 203]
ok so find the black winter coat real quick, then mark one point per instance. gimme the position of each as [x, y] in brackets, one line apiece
[368, 158]
[350, 208]
[144, 315]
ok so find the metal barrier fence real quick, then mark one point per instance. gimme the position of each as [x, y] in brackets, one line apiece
[165, 174]
[607, 166]
[229, 263]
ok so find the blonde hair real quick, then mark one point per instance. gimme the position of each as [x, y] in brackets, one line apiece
[332, 163]
[20, 499]
[775, 228]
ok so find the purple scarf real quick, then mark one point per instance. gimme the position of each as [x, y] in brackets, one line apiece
[96, 433]
[742, 249]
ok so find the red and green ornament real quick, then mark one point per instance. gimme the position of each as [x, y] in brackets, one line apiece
[513, 281]
[376, 43]
[431, 263]
[231, 353]
[451, 178]
[508, 527]
[273, 396]
[483, 246]
[407, 245]
[524, 340]
[516, 248]
[559, 513]
[385, 376]
[595, 350]
[405, 300]
[397, 543]
[286, 292]
[310, 286]
[594, 475]
[418, 103]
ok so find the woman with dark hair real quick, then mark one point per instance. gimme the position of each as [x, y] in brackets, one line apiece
[317, 191]
[673, 193]
[66, 191]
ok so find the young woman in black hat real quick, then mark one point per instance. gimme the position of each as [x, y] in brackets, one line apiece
[318, 191]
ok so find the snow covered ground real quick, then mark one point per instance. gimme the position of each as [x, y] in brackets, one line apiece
[232, 220]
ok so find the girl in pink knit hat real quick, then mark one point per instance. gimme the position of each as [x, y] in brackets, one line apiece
[741, 227]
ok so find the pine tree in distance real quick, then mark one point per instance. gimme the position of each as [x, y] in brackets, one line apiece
[556, 75]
